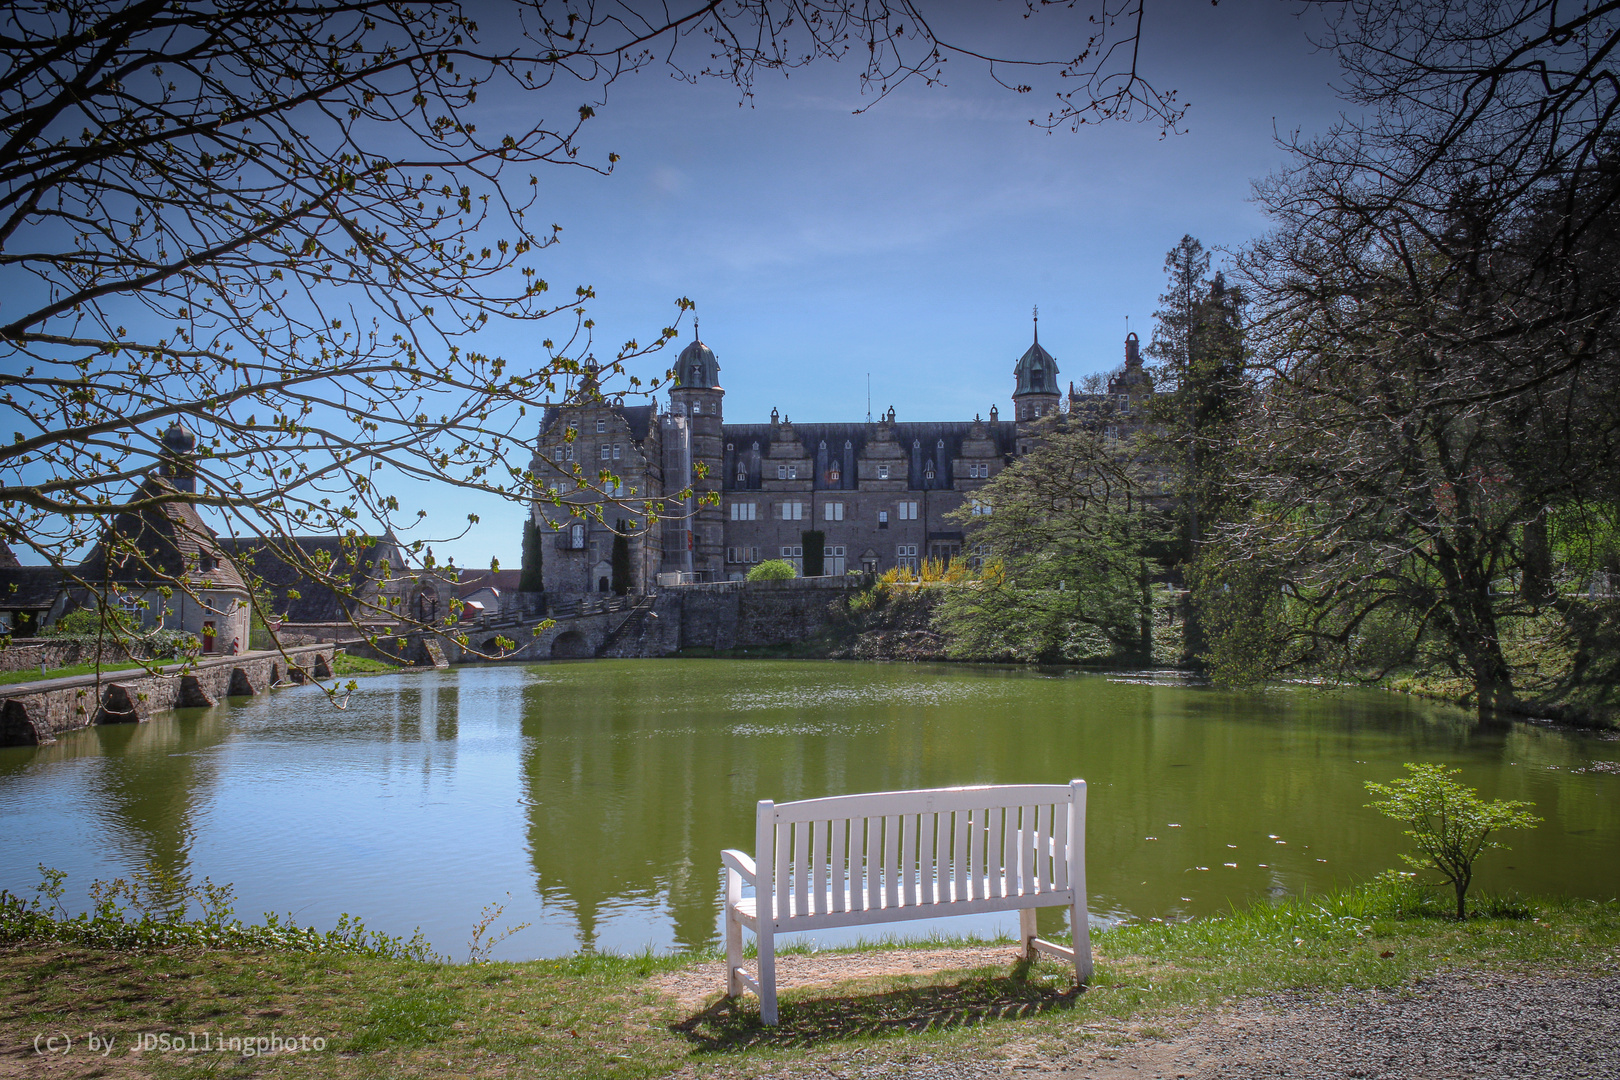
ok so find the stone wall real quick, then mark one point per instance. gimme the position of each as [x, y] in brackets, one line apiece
[35, 713]
[27, 654]
[728, 615]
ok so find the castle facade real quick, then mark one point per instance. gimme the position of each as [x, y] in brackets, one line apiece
[879, 493]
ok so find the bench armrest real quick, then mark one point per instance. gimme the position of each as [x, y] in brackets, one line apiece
[736, 860]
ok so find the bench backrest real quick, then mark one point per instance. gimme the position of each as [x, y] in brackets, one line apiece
[930, 847]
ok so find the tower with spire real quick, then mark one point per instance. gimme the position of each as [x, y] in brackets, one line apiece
[1036, 393]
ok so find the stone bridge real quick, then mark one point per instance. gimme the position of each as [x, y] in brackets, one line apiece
[37, 712]
[611, 626]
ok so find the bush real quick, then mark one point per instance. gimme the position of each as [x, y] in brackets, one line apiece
[773, 570]
[1451, 823]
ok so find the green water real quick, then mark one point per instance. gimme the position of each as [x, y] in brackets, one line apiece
[599, 794]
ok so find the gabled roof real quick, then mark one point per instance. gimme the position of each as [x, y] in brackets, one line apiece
[350, 563]
[170, 541]
[29, 588]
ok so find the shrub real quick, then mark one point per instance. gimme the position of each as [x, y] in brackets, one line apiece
[1451, 823]
[773, 570]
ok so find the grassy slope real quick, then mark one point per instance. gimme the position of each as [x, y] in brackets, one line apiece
[597, 1016]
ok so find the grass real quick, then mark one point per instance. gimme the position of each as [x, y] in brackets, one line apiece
[344, 664]
[597, 1016]
[65, 672]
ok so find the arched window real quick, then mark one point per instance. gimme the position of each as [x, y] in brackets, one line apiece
[576, 537]
[742, 473]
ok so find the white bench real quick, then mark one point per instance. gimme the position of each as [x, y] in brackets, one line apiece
[890, 856]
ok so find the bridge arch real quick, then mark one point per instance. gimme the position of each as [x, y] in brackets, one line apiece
[570, 644]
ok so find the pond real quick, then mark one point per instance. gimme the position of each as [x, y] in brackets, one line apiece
[599, 794]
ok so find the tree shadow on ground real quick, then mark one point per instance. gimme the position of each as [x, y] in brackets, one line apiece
[734, 1024]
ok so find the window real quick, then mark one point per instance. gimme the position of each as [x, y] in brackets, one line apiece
[833, 511]
[601, 426]
[781, 472]
[743, 511]
[742, 474]
[834, 560]
[794, 553]
[697, 407]
[833, 475]
[576, 537]
[980, 509]
[928, 473]
[977, 554]
[883, 519]
[793, 472]
[908, 511]
[793, 511]
[883, 472]
[607, 452]
[906, 556]
[568, 452]
[617, 451]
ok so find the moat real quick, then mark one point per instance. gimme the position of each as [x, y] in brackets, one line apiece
[600, 794]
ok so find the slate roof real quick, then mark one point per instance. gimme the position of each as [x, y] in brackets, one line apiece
[918, 441]
[174, 542]
[29, 588]
[499, 580]
[350, 559]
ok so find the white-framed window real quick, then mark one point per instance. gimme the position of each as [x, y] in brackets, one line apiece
[977, 554]
[618, 449]
[908, 511]
[833, 511]
[793, 511]
[742, 473]
[981, 509]
[883, 519]
[743, 511]
[794, 553]
[883, 472]
[793, 472]
[568, 452]
[576, 537]
[607, 452]
[601, 427]
[834, 560]
[906, 555]
[697, 407]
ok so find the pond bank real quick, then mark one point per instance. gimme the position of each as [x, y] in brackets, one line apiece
[949, 1009]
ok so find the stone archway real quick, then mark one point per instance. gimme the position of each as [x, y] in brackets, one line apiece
[570, 645]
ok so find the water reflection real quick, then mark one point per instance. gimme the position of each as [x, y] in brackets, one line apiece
[599, 794]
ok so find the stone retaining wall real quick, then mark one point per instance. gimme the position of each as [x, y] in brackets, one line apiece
[27, 654]
[35, 713]
[726, 615]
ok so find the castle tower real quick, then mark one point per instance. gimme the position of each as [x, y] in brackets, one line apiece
[1133, 380]
[698, 397]
[1036, 394]
[179, 443]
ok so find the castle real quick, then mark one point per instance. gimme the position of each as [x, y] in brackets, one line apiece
[879, 493]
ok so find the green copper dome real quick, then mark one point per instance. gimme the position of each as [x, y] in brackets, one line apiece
[1036, 372]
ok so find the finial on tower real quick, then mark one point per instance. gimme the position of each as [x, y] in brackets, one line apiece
[1037, 324]
[696, 335]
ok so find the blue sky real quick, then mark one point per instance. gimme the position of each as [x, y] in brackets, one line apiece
[911, 242]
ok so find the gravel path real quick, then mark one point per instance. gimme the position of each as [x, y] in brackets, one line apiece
[1447, 1027]
[1452, 1026]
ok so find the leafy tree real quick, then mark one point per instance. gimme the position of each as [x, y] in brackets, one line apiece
[620, 561]
[285, 223]
[815, 552]
[1071, 526]
[533, 578]
[772, 570]
[1451, 823]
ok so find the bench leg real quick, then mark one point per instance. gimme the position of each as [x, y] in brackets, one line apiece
[1026, 932]
[767, 972]
[1080, 923]
[734, 931]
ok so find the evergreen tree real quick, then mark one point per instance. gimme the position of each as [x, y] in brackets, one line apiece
[621, 560]
[533, 559]
[815, 552]
[1201, 382]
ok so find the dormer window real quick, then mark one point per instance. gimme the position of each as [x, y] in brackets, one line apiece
[742, 474]
[883, 472]
[206, 563]
[928, 473]
[833, 475]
